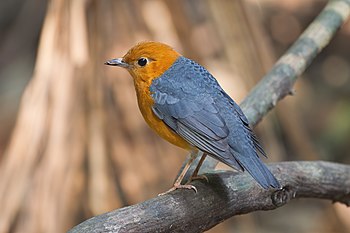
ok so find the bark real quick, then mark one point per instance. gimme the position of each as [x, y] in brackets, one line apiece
[225, 195]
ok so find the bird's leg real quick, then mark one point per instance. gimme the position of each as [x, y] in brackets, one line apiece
[195, 175]
[177, 184]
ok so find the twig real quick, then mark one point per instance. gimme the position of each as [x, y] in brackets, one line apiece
[227, 194]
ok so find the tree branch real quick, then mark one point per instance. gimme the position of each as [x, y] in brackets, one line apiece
[227, 194]
[279, 82]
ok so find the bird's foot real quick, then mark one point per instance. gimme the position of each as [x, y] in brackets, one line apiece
[180, 186]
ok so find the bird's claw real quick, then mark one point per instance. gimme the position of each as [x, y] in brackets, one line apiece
[180, 186]
[199, 177]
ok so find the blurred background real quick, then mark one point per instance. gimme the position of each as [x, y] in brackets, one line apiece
[73, 143]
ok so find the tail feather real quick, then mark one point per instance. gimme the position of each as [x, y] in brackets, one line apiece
[258, 170]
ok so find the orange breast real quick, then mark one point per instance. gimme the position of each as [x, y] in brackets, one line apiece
[145, 103]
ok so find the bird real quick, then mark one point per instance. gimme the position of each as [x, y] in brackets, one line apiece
[184, 104]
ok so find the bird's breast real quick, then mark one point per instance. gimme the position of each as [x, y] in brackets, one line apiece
[145, 102]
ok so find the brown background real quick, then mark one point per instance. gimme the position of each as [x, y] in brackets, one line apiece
[73, 143]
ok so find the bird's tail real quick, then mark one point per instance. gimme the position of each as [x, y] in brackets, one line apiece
[258, 170]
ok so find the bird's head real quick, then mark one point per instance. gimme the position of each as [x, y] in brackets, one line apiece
[146, 60]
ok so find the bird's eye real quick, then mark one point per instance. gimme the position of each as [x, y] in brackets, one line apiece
[142, 61]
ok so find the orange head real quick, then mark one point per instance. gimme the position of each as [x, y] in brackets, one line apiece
[146, 60]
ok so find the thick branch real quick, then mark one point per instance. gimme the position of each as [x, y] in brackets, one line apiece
[227, 194]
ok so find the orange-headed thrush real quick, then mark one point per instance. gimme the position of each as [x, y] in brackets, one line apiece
[186, 106]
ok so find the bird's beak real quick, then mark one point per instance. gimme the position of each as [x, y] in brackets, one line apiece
[117, 62]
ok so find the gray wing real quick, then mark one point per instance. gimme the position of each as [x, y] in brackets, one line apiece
[187, 105]
[196, 119]
[245, 123]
